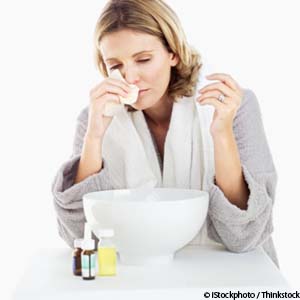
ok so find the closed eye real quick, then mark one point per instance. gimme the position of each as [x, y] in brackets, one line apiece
[114, 67]
[144, 60]
[140, 61]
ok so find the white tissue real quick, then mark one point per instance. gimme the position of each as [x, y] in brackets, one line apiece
[111, 107]
[134, 90]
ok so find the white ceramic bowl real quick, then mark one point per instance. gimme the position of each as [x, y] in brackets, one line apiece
[147, 229]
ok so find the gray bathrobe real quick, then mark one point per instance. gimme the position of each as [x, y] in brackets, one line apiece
[238, 230]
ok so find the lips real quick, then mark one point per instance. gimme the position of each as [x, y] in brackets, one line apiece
[144, 90]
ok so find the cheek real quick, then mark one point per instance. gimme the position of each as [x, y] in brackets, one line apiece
[157, 73]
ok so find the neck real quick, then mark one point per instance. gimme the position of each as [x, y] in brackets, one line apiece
[159, 115]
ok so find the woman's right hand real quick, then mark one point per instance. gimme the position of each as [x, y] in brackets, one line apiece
[108, 90]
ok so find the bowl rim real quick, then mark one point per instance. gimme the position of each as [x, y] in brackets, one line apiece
[194, 194]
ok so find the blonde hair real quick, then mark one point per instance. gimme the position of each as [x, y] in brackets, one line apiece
[153, 17]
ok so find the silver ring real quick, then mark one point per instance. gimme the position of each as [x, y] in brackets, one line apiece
[221, 98]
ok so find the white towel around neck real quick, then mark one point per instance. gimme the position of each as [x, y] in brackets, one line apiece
[131, 158]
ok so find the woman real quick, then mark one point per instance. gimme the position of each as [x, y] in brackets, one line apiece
[145, 42]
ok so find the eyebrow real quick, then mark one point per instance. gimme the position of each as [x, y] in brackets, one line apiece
[135, 54]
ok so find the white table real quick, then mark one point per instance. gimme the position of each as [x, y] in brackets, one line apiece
[195, 270]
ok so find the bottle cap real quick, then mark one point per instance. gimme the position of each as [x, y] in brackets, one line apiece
[88, 244]
[78, 243]
[87, 231]
[107, 232]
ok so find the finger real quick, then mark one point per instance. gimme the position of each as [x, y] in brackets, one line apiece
[218, 86]
[122, 84]
[108, 97]
[109, 88]
[210, 94]
[226, 78]
[212, 101]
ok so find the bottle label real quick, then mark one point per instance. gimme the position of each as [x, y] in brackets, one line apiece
[107, 260]
[88, 265]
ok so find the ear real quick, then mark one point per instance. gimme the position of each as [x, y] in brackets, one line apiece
[174, 59]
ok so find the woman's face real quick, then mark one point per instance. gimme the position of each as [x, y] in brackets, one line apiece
[143, 60]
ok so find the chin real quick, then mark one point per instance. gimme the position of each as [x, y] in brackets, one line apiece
[141, 105]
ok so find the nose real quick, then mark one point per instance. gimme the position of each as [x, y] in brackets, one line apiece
[131, 75]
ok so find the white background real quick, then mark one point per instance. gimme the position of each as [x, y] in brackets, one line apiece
[47, 70]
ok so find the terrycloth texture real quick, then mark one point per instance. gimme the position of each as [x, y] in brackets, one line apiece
[127, 149]
[237, 229]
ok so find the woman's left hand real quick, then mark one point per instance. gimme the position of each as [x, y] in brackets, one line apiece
[226, 109]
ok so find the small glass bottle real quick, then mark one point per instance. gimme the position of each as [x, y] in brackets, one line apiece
[77, 257]
[88, 260]
[107, 257]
